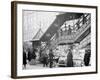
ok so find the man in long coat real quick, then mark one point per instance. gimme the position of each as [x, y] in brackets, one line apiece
[51, 56]
[24, 59]
[69, 59]
[87, 57]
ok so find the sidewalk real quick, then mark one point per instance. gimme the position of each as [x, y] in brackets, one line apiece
[36, 66]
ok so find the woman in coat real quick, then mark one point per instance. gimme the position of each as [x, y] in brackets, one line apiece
[69, 59]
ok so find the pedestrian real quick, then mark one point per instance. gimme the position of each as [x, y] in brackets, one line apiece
[56, 60]
[34, 54]
[69, 30]
[45, 59]
[87, 57]
[51, 56]
[29, 55]
[33, 57]
[84, 19]
[24, 59]
[69, 58]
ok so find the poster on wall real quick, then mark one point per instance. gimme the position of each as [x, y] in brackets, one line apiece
[50, 39]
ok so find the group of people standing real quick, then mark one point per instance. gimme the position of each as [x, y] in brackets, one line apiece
[28, 56]
[48, 59]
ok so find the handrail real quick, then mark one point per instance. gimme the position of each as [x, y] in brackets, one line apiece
[78, 25]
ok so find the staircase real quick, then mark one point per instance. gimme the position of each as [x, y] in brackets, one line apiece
[75, 36]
